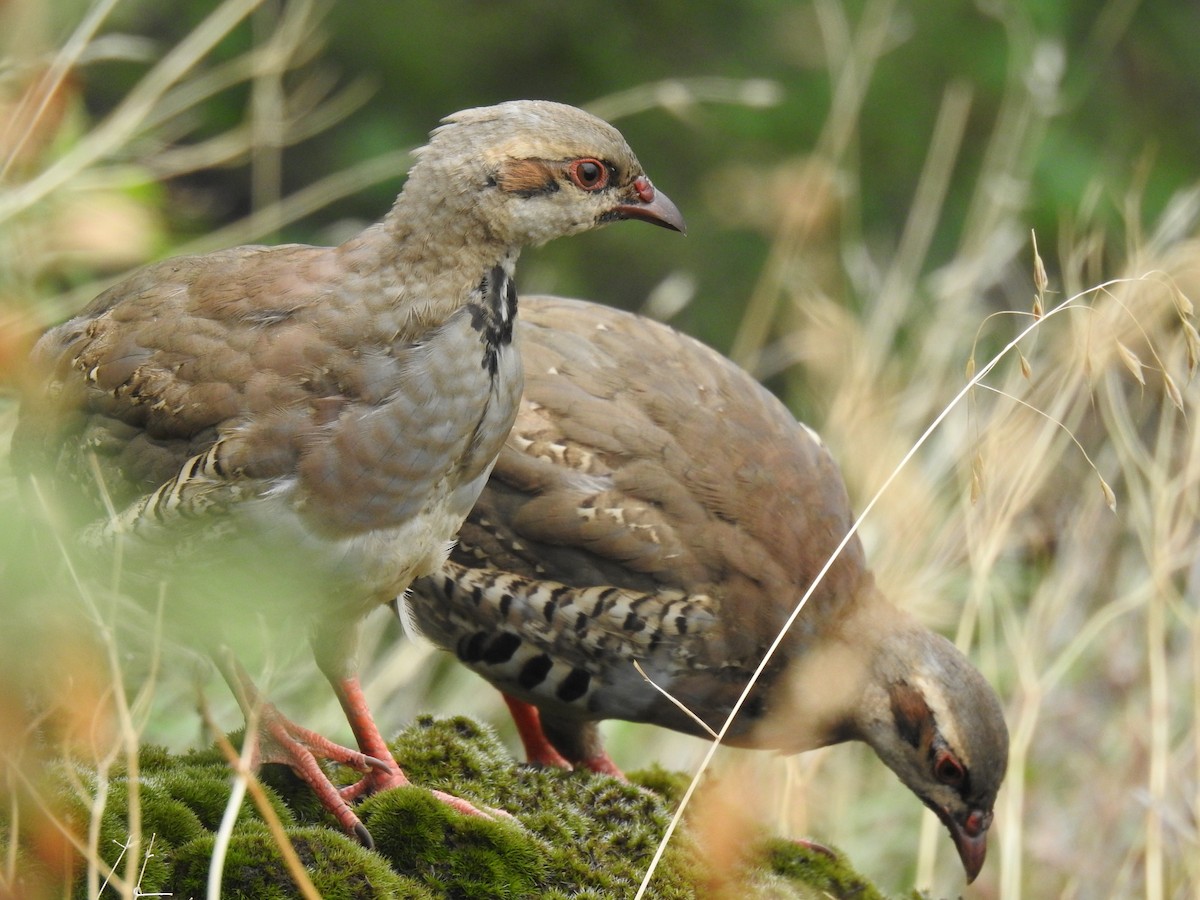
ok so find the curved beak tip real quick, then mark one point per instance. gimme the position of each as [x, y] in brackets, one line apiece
[659, 210]
[971, 851]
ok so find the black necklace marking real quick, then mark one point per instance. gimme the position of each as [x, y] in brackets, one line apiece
[493, 314]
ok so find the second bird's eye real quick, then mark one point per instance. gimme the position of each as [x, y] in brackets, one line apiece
[948, 770]
[589, 174]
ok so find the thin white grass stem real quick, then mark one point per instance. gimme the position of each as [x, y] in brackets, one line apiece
[237, 795]
[149, 854]
[1160, 741]
[248, 782]
[820, 576]
[1014, 796]
[695, 718]
[120, 856]
[1195, 654]
[92, 854]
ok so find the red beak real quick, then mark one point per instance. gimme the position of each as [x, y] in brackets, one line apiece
[970, 839]
[651, 206]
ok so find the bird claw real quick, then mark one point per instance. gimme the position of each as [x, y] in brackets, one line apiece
[469, 809]
[381, 776]
[814, 847]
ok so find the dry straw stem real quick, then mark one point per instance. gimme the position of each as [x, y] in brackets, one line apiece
[962, 394]
[683, 96]
[146, 124]
[245, 780]
[851, 55]
[122, 125]
[1046, 569]
[1017, 457]
[141, 139]
[103, 749]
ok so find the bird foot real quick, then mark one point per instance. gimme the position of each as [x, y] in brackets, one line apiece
[602, 764]
[382, 778]
[814, 847]
[469, 809]
[540, 751]
[386, 776]
[282, 741]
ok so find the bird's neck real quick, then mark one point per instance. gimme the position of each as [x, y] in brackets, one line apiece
[827, 694]
[900, 652]
[427, 254]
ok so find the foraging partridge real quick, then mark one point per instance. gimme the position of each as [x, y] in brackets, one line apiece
[654, 504]
[344, 403]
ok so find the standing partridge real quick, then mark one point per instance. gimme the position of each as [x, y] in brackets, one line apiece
[334, 410]
[655, 505]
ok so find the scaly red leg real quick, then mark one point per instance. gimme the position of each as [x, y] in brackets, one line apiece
[350, 694]
[371, 743]
[540, 750]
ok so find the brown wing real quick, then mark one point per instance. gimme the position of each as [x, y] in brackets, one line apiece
[643, 459]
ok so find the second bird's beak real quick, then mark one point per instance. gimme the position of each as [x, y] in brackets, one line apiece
[651, 205]
[970, 840]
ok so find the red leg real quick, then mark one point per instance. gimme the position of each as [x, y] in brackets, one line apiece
[538, 749]
[371, 743]
[602, 764]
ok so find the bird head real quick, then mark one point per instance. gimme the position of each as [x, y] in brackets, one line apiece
[530, 170]
[937, 723]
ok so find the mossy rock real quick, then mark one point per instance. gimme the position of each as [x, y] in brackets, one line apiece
[566, 835]
[339, 868]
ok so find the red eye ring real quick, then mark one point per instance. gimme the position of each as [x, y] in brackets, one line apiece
[948, 770]
[588, 174]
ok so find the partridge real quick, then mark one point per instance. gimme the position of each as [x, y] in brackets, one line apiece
[344, 403]
[655, 505]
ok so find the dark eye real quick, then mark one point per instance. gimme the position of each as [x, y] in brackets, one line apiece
[947, 770]
[589, 174]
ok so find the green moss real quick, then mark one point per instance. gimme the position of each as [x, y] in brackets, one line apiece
[670, 786]
[466, 856]
[170, 820]
[254, 869]
[827, 876]
[571, 835]
[457, 755]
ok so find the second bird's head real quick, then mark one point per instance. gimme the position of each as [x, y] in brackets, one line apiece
[531, 170]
